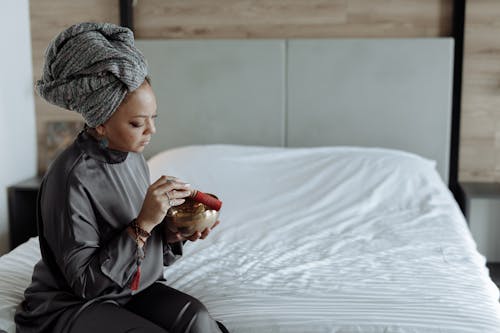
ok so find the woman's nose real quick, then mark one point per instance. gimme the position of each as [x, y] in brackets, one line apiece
[151, 127]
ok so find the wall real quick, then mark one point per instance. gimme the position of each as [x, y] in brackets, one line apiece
[17, 125]
[201, 19]
[480, 126]
[292, 18]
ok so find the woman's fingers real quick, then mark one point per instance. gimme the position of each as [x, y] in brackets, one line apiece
[170, 186]
[175, 194]
[165, 180]
[202, 235]
[205, 233]
[207, 230]
[176, 198]
[176, 202]
[171, 189]
[194, 236]
[160, 181]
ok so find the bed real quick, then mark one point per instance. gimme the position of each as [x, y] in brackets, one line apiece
[325, 239]
[332, 158]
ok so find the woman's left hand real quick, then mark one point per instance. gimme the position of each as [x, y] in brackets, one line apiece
[173, 237]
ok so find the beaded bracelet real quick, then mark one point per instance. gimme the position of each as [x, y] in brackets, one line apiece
[141, 253]
[138, 230]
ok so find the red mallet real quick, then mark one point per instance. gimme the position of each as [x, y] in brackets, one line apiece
[206, 199]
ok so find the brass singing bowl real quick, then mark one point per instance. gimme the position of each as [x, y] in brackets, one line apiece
[190, 217]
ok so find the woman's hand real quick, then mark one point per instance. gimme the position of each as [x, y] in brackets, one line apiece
[161, 195]
[172, 237]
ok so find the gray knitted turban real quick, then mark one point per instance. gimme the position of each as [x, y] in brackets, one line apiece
[89, 68]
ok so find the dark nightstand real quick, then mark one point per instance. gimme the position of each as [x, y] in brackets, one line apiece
[22, 210]
[494, 272]
[482, 211]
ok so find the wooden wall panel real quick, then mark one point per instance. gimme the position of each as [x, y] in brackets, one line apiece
[292, 18]
[480, 123]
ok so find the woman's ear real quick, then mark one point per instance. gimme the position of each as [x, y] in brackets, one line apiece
[100, 130]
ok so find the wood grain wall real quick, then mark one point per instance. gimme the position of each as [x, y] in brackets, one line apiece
[292, 18]
[480, 125]
[480, 121]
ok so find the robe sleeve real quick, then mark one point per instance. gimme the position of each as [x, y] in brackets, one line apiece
[90, 264]
[172, 252]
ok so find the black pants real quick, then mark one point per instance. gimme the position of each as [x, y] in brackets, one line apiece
[157, 309]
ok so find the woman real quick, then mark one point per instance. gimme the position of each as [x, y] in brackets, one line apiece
[102, 250]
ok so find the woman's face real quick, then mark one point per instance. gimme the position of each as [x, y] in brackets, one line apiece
[132, 124]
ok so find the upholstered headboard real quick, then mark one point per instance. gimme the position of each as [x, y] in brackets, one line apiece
[392, 93]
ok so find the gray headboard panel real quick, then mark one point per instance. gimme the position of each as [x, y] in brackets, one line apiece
[392, 93]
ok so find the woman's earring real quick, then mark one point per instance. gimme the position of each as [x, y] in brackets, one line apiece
[103, 143]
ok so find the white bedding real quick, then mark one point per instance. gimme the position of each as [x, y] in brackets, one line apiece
[328, 239]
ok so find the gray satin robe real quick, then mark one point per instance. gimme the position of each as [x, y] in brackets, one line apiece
[86, 200]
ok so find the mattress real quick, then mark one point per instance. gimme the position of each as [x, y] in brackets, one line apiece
[16, 268]
[324, 239]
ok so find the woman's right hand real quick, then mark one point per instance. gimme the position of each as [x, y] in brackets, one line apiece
[164, 193]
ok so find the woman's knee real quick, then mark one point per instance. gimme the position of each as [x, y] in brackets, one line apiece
[202, 321]
[173, 310]
[197, 306]
[197, 319]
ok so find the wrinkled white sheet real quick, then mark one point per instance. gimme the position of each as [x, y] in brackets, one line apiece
[329, 239]
[16, 268]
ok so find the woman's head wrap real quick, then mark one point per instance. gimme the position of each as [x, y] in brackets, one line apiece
[89, 68]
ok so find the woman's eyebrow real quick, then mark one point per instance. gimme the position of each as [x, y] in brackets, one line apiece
[145, 116]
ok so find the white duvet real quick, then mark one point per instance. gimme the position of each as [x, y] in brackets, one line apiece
[329, 239]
